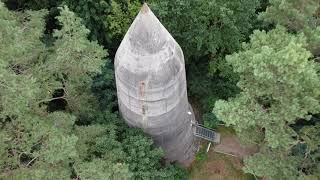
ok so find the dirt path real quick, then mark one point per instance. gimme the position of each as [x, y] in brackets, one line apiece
[230, 144]
[218, 166]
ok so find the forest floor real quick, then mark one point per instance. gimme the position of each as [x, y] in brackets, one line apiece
[223, 161]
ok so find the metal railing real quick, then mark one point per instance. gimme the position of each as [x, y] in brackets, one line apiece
[205, 133]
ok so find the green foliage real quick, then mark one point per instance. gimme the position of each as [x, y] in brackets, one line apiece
[72, 44]
[107, 20]
[279, 85]
[121, 18]
[310, 135]
[207, 87]
[207, 27]
[210, 121]
[100, 169]
[114, 142]
[35, 139]
[201, 155]
[31, 4]
[58, 105]
[94, 14]
[104, 88]
[273, 165]
[206, 31]
[73, 62]
[40, 142]
[298, 16]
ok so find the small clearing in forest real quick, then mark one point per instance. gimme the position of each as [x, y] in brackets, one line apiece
[218, 166]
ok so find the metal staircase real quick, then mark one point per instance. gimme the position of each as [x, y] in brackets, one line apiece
[205, 133]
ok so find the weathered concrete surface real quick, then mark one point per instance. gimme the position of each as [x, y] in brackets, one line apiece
[151, 86]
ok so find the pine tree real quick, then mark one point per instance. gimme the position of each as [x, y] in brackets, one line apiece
[35, 142]
[280, 86]
[297, 16]
[51, 125]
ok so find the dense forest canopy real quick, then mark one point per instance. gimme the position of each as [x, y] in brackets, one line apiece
[252, 65]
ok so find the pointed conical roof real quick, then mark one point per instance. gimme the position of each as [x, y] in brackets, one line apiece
[146, 35]
[148, 52]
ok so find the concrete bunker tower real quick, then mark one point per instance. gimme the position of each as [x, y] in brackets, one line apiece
[151, 86]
